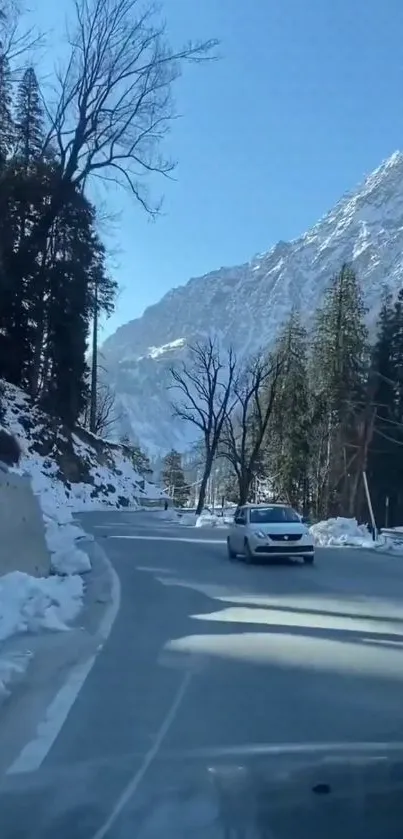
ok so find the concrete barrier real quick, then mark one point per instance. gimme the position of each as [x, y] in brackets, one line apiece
[22, 533]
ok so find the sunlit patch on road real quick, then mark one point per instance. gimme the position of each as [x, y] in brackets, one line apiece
[301, 652]
[155, 538]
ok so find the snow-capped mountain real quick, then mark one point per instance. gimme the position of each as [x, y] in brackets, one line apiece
[246, 305]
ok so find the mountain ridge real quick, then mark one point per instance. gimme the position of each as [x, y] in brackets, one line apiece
[245, 305]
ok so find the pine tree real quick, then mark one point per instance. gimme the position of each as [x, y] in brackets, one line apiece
[338, 375]
[77, 264]
[7, 233]
[173, 478]
[48, 295]
[141, 461]
[383, 452]
[7, 133]
[385, 457]
[29, 120]
[32, 177]
[289, 432]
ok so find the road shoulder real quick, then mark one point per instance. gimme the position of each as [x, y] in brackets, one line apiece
[55, 668]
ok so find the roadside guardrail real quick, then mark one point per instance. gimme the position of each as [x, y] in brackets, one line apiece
[392, 533]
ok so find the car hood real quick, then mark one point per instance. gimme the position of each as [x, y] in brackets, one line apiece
[268, 792]
[282, 527]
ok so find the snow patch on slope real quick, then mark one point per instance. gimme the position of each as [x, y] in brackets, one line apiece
[247, 304]
[54, 460]
[53, 457]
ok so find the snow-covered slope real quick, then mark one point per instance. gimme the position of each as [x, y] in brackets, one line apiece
[246, 305]
[69, 471]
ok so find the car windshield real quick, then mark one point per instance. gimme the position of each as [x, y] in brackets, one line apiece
[273, 515]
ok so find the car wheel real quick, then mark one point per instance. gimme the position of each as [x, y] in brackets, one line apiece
[309, 559]
[248, 553]
[230, 552]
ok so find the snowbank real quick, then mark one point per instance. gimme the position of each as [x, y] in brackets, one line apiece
[212, 520]
[391, 540]
[32, 604]
[28, 604]
[190, 519]
[12, 666]
[70, 472]
[62, 536]
[187, 519]
[341, 532]
[167, 515]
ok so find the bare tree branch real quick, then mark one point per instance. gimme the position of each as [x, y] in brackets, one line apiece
[16, 42]
[114, 100]
[204, 385]
[106, 414]
[245, 428]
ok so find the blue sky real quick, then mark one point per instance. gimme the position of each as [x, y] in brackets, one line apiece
[306, 99]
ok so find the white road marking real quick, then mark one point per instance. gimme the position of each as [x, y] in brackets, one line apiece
[170, 539]
[134, 783]
[33, 754]
[112, 524]
[328, 749]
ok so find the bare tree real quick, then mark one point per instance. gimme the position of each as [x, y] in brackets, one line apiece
[205, 386]
[245, 428]
[100, 417]
[113, 101]
[16, 42]
[106, 414]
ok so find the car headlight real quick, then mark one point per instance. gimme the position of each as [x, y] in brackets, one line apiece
[260, 534]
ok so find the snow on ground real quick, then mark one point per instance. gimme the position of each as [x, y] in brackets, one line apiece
[211, 520]
[341, 532]
[206, 519]
[12, 666]
[68, 473]
[392, 540]
[187, 519]
[61, 534]
[190, 519]
[336, 532]
[55, 460]
[32, 604]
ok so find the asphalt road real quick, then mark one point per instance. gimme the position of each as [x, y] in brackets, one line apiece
[209, 660]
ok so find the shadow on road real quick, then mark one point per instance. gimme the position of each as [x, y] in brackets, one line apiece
[273, 660]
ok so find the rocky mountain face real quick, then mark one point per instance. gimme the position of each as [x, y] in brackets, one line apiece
[246, 305]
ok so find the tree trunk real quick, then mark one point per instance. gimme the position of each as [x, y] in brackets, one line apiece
[244, 482]
[203, 485]
[94, 370]
[40, 329]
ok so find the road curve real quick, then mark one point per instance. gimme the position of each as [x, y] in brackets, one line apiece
[208, 657]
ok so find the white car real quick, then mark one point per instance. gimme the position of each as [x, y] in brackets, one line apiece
[269, 530]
